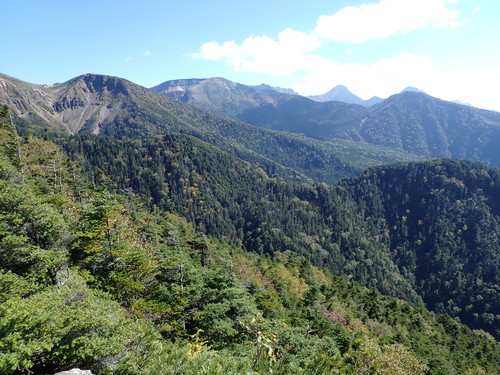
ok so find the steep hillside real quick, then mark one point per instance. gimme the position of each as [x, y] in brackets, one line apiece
[427, 126]
[30, 104]
[442, 219]
[270, 109]
[83, 104]
[88, 102]
[91, 279]
[411, 121]
[423, 232]
[112, 106]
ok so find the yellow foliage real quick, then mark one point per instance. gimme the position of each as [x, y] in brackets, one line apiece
[396, 359]
[289, 278]
[319, 277]
[197, 345]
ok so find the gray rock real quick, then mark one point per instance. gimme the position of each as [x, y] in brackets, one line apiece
[75, 371]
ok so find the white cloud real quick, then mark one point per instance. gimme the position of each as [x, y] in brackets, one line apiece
[293, 51]
[262, 54]
[381, 20]
[382, 78]
[131, 57]
[478, 86]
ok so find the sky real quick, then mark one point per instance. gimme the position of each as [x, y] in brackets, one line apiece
[448, 48]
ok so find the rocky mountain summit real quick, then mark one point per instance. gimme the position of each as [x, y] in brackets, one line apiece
[178, 89]
[84, 102]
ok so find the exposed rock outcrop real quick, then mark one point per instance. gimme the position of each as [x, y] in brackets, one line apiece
[66, 103]
[75, 371]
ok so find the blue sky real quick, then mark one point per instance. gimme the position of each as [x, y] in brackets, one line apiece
[448, 48]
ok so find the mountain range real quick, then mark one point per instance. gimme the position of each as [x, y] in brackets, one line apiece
[341, 93]
[205, 213]
[406, 126]
[113, 106]
[411, 121]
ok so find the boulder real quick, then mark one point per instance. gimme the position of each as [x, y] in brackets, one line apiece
[75, 371]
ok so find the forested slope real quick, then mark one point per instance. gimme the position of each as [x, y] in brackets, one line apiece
[420, 231]
[99, 104]
[443, 219]
[90, 279]
[411, 121]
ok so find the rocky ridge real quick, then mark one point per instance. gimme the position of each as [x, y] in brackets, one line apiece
[83, 102]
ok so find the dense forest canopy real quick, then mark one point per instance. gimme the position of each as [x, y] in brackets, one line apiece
[112, 106]
[93, 279]
[412, 121]
[426, 232]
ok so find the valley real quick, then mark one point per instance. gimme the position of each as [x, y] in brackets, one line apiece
[213, 222]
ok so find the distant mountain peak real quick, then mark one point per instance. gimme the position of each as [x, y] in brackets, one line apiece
[341, 93]
[178, 88]
[412, 89]
[340, 88]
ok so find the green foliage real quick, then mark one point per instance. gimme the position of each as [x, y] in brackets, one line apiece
[424, 232]
[63, 326]
[411, 121]
[91, 279]
[9, 139]
[443, 220]
[32, 235]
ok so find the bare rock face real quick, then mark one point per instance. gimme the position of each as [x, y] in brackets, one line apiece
[178, 89]
[75, 371]
[66, 103]
[86, 101]
[25, 99]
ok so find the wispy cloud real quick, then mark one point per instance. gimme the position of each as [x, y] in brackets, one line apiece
[131, 57]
